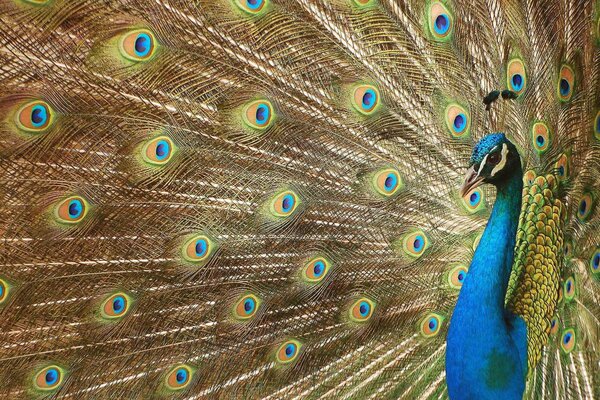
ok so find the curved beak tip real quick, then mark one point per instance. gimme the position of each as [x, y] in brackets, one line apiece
[472, 180]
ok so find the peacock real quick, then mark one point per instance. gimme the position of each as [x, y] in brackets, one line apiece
[289, 199]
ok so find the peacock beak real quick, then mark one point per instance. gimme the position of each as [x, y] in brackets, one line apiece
[472, 180]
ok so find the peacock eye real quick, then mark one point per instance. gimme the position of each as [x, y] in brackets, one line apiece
[179, 377]
[430, 325]
[284, 204]
[251, 6]
[115, 306]
[49, 378]
[139, 45]
[158, 151]
[288, 351]
[315, 270]
[198, 249]
[35, 117]
[440, 21]
[258, 114]
[361, 310]
[71, 210]
[246, 307]
[566, 82]
[568, 340]
[366, 99]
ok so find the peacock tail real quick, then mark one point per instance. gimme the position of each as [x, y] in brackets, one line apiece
[260, 198]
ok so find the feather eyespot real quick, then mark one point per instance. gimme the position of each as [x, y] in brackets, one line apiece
[138, 45]
[387, 182]
[562, 167]
[473, 200]
[554, 326]
[361, 310]
[568, 340]
[246, 307]
[595, 261]
[288, 351]
[179, 377]
[34, 117]
[431, 325]
[366, 99]
[440, 21]
[516, 78]
[457, 276]
[541, 137]
[315, 270]
[158, 151]
[71, 210]
[4, 290]
[566, 83]
[251, 6]
[415, 243]
[597, 126]
[49, 378]
[115, 306]
[284, 204]
[457, 120]
[198, 249]
[569, 288]
[585, 207]
[258, 114]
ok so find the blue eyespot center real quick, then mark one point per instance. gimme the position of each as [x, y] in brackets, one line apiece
[51, 376]
[474, 198]
[596, 262]
[249, 306]
[369, 99]
[460, 123]
[540, 140]
[567, 338]
[318, 268]
[364, 308]
[75, 208]
[432, 324]
[142, 45]
[561, 170]
[565, 87]
[290, 349]
[162, 150]
[517, 82]
[390, 182]
[568, 286]
[181, 376]
[201, 247]
[39, 116]
[254, 4]
[461, 276]
[118, 304]
[418, 243]
[442, 24]
[553, 323]
[287, 203]
[262, 114]
[582, 207]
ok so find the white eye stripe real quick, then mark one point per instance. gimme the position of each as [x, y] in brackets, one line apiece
[502, 162]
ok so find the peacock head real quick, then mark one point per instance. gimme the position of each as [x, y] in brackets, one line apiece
[494, 160]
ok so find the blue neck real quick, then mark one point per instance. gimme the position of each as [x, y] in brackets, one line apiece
[487, 279]
[482, 358]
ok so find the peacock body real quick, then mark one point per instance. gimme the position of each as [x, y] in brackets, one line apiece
[262, 199]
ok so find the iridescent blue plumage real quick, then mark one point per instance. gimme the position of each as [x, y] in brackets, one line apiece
[486, 356]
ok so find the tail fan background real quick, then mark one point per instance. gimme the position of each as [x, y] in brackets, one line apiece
[259, 198]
